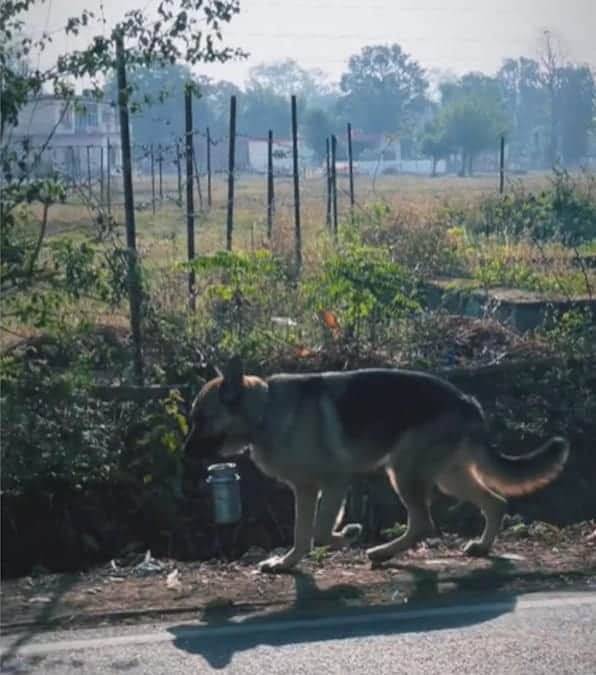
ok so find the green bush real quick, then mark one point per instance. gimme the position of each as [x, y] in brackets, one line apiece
[57, 438]
[239, 294]
[364, 288]
[565, 212]
[573, 205]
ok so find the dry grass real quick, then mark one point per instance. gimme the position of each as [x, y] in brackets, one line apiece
[409, 198]
[409, 213]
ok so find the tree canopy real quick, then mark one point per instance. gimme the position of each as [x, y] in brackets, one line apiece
[383, 89]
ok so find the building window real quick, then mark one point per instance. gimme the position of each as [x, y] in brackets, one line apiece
[107, 118]
[87, 116]
[65, 117]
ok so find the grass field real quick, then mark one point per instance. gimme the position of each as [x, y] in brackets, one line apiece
[162, 235]
[433, 227]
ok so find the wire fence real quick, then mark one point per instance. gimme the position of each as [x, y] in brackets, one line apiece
[159, 172]
[240, 176]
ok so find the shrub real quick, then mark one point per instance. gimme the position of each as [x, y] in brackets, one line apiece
[239, 294]
[367, 290]
[565, 212]
[57, 439]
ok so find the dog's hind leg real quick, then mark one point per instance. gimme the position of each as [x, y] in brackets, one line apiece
[330, 514]
[305, 503]
[415, 492]
[461, 483]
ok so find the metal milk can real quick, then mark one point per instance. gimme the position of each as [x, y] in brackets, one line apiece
[225, 488]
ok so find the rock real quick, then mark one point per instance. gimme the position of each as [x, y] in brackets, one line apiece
[541, 529]
[173, 581]
[519, 530]
[254, 554]
[510, 520]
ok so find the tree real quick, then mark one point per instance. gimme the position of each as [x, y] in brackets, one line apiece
[284, 78]
[213, 106]
[436, 142]
[574, 109]
[383, 89]
[471, 117]
[472, 85]
[551, 60]
[157, 95]
[525, 103]
[265, 103]
[262, 109]
[318, 126]
[164, 86]
[471, 126]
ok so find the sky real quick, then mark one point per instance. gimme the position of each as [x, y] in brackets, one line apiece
[445, 36]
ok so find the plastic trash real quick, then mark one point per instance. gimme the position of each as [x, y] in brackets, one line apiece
[148, 565]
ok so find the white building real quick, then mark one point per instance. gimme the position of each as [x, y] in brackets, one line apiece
[81, 133]
[282, 155]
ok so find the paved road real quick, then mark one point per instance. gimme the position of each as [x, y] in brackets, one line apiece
[551, 633]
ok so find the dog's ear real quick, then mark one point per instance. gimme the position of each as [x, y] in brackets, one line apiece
[212, 371]
[231, 387]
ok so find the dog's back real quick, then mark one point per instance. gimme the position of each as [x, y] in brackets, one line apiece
[351, 421]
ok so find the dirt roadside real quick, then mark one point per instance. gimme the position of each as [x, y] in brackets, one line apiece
[526, 558]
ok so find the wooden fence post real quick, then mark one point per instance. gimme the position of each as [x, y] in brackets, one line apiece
[73, 167]
[89, 171]
[502, 166]
[298, 238]
[160, 168]
[152, 156]
[351, 167]
[197, 176]
[133, 272]
[231, 169]
[334, 181]
[190, 216]
[179, 172]
[209, 200]
[270, 187]
[109, 178]
[328, 182]
[101, 176]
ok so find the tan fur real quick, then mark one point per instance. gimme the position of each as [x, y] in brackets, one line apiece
[317, 431]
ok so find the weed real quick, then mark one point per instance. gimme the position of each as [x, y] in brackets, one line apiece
[394, 531]
[319, 554]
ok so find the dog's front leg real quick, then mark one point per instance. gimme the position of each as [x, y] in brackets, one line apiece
[305, 502]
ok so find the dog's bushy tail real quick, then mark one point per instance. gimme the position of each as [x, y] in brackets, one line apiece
[515, 476]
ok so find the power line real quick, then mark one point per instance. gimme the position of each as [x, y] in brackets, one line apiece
[387, 37]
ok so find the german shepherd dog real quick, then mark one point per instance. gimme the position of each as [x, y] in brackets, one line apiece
[316, 431]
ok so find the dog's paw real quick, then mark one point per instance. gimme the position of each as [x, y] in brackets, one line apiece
[476, 549]
[351, 532]
[275, 565]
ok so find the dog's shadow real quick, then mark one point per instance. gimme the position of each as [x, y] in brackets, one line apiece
[218, 647]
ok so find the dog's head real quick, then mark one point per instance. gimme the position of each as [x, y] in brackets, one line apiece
[223, 415]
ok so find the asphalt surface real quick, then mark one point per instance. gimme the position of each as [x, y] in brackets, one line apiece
[532, 633]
